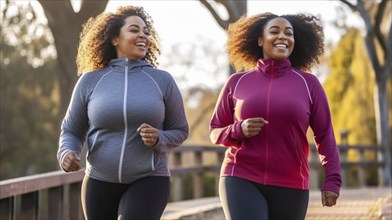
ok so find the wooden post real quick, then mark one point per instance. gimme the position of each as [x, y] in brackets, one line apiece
[343, 154]
[361, 168]
[344, 137]
[177, 180]
[380, 169]
[29, 206]
[7, 210]
[198, 177]
[55, 203]
[220, 157]
[75, 205]
[314, 174]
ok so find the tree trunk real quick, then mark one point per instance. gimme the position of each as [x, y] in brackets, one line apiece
[383, 132]
[235, 9]
[382, 71]
[66, 25]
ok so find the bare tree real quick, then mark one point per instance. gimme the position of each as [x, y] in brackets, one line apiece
[65, 25]
[235, 9]
[374, 14]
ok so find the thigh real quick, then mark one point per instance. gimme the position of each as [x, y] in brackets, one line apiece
[100, 199]
[286, 203]
[145, 199]
[241, 199]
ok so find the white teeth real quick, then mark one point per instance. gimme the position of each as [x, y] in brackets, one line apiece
[281, 46]
[141, 44]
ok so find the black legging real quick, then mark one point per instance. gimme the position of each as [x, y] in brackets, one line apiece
[143, 199]
[243, 199]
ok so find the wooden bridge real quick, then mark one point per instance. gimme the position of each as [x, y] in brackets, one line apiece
[353, 204]
[56, 195]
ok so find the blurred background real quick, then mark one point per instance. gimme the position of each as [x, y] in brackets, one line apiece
[38, 48]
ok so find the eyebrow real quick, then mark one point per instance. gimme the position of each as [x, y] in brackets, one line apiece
[279, 27]
[135, 25]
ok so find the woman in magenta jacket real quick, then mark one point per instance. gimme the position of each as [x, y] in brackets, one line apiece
[262, 116]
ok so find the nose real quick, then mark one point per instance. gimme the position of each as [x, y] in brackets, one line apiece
[142, 34]
[282, 35]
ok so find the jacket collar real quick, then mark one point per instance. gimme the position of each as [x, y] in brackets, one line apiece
[133, 65]
[273, 68]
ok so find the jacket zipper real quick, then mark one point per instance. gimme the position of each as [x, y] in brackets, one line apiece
[125, 122]
[267, 130]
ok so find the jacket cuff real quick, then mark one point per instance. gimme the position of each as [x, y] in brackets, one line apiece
[236, 131]
[331, 187]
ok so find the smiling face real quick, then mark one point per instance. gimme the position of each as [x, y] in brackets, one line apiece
[277, 40]
[133, 40]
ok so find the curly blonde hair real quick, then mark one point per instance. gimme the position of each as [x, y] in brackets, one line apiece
[95, 47]
[244, 52]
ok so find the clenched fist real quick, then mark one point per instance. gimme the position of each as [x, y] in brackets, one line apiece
[329, 198]
[70, 162]
[252, 126]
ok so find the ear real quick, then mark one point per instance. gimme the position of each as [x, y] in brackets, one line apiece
[260, 41]
[115, 42]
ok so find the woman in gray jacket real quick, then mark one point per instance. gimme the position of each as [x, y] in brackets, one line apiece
[129, 114]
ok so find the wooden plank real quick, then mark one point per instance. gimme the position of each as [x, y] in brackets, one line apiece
[7, 211]
[76, 211]
[23, 185]
[29, 206]
[55, 202]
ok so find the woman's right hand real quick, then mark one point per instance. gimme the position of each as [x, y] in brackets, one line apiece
[252, 126]
[70, 162]
[328, 198]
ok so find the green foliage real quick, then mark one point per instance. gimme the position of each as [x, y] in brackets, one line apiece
[349, 88]
[29, 95]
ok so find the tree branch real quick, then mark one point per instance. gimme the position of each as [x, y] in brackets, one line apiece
[236, 9]
[388, 54]
[370, 34]
[88, 8]
[221, 22]
[351, 6]
[377, 25]
[55, 10]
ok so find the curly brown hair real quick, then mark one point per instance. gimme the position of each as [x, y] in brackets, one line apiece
[95, 47]
[244, 52]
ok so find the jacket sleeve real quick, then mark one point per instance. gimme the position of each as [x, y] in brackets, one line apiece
[324, 138]
[224, 129]
[175, 126]
[75, 123]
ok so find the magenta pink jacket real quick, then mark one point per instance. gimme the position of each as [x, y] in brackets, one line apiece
[291, 101]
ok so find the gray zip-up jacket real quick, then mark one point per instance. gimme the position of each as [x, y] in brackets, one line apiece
[107, 107]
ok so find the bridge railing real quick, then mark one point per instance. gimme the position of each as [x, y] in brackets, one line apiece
[56, 195]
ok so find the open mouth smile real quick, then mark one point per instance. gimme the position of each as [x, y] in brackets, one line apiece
[141, 44]
[281, 46]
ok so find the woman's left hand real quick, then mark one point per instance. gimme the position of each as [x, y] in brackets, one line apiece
[149, 134]
[328, 198]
